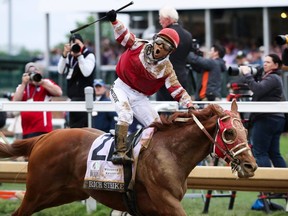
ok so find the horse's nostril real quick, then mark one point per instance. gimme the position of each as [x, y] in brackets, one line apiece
[249, 166]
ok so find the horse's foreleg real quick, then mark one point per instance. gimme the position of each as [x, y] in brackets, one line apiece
[23, 210]
[166, 204]
[172, 208]
[15, 213]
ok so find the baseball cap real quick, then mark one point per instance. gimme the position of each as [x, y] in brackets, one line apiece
[30, 64]
[98, 82]
[73, 37]
[240, 54]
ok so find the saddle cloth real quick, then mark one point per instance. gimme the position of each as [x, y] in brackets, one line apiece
[101, 173]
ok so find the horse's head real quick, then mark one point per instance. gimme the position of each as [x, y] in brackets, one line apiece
[231, 143]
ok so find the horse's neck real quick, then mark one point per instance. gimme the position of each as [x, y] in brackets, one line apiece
[191, 148]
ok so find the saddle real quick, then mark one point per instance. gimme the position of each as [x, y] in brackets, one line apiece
[102, 174]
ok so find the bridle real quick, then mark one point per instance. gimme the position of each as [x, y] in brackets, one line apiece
[224, 146]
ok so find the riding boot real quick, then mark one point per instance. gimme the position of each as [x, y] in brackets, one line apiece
[119, 155]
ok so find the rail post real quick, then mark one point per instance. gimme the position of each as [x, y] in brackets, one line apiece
[89, 103]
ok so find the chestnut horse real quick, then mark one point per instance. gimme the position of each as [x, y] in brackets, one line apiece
[57, 162]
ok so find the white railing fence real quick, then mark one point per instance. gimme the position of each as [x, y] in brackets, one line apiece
[163, 106]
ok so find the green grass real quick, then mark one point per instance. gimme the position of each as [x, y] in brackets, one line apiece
[284, 146]
[72, 209]
[193, 206]
[219, 206]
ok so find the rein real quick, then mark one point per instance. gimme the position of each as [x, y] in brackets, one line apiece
[235, 163]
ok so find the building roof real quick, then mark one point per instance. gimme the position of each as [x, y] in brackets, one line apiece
[151, 5]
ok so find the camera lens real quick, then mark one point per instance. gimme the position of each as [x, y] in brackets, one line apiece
[36, 77]
[233, 71]
[76, 48]
[281, 39]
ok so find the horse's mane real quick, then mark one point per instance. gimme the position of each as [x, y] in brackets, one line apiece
[168, 122]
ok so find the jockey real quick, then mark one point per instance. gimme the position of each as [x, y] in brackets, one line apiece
[142, 69]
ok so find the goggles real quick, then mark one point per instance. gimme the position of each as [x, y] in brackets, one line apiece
[166, 45]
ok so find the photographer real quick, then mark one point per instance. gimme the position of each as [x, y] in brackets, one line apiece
[77, 63]
[211, 69]
[285, 56]
[35, 88]
[266, 127]
[283, 40]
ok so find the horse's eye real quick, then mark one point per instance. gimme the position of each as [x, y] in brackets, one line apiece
[229, 135]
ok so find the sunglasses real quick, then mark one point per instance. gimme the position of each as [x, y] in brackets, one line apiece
[166, 45]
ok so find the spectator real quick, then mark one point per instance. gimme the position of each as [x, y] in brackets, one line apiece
[285, 56]
[108, 56]
[77, 63]
[256, 57]
[241, 58]
[211, 69]
[267, 127]
[230, 54]
[142, 69]
[35, 88]
[168, 18]
[104, 121]
[3, 118]
[55, 56]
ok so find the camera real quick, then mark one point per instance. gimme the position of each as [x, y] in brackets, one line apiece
[195, 45]
[8, 95]
[196, 48]
[75, 48]
[281, 39]
[36, 77]
[236, 71]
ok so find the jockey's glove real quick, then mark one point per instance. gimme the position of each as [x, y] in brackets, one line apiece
[193, 108]
[111, 15]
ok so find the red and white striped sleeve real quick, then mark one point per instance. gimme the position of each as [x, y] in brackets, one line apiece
[122, 34]
[177, 91]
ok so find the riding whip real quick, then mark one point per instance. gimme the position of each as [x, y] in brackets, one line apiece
[85, 26]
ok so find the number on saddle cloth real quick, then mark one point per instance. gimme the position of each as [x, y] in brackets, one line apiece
[100, 168]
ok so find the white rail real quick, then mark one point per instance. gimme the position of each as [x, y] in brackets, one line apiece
[107, 106]
[80, 106]
[202, 177]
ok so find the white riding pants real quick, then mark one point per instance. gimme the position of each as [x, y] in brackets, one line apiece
[129, 102]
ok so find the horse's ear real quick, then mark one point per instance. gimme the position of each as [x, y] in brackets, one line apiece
[234, 106]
